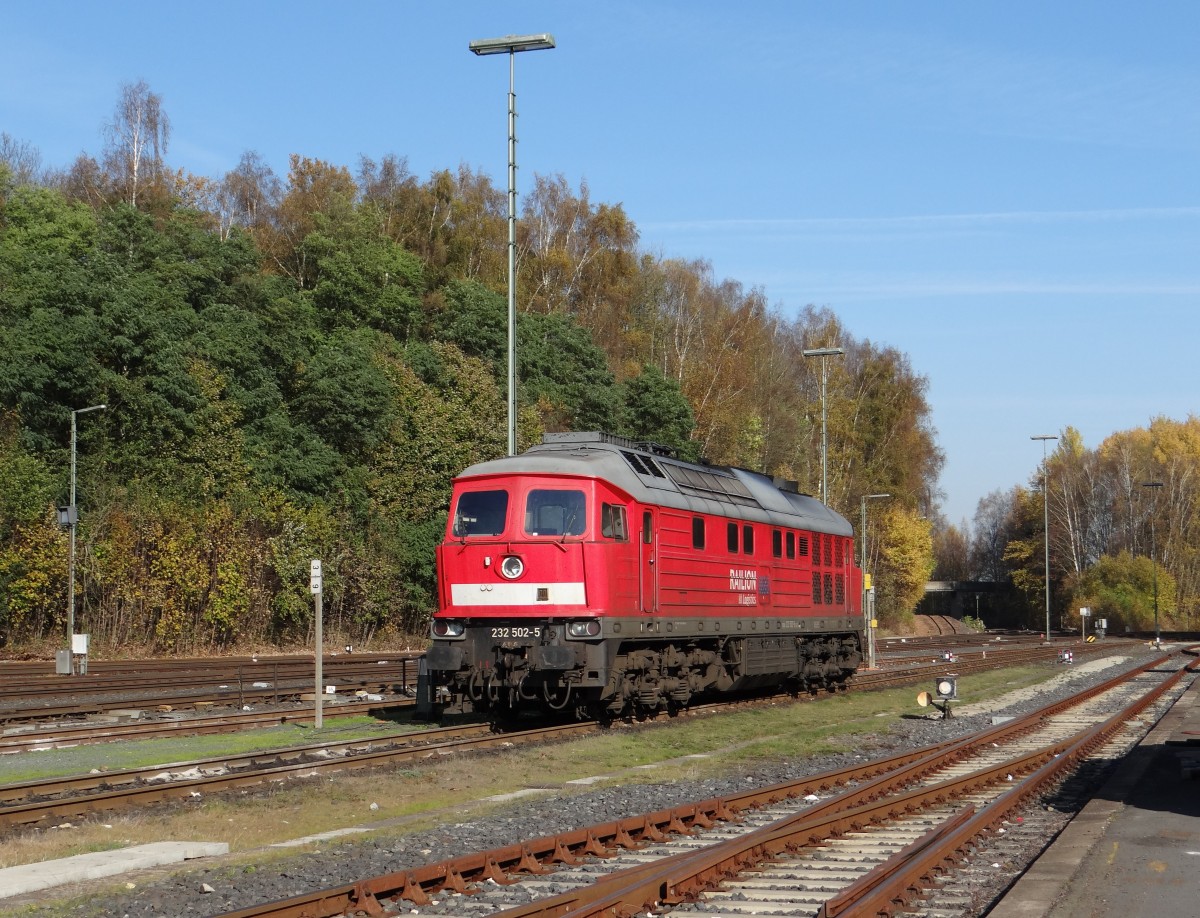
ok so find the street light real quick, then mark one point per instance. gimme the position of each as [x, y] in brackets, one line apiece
[510, 45]
[72, 519]
[1046, 520]
[823, 352]
[868, 618]
[1153, 563]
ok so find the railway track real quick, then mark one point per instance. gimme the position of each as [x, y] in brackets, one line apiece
[29, 735]
[26, 670]
[30, 693]
[861, 841]
[46, 698]
[186, 714]
[29, 738]
[39, 802]
[901, 670]
[42, 801]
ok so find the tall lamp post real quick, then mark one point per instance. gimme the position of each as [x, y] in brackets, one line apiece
[823, 352]
[510, 45]
[1155, 485]
[868, 618]
[1046, 520]
[72, 518]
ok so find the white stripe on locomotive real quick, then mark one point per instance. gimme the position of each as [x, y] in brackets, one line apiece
[517, 594]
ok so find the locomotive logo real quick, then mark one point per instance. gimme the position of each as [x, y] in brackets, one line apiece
[745, 583]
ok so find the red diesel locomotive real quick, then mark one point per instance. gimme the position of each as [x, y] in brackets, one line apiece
[604, 576]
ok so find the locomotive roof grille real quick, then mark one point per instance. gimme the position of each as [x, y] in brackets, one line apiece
[646, 446]
[643, 465]
[709, 484]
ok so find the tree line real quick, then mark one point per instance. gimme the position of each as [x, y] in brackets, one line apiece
[1124, 531]
[296, 367]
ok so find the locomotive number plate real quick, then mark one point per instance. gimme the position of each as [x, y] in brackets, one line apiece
[514, 631]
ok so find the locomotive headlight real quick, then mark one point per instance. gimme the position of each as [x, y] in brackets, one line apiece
[590, 628]
[443, 628]
[512, 567]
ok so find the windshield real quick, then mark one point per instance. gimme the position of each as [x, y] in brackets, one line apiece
[480, 513]
[555, 513]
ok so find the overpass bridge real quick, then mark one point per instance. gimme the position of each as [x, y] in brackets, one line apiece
[958, 598]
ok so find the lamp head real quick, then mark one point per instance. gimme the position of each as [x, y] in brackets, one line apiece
[510, 44]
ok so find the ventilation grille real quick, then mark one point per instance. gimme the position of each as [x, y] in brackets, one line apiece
[710, 484]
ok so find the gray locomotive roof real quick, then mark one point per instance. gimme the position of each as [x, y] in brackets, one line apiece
[648, 476]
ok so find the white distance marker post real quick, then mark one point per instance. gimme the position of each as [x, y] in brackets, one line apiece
[314, 584]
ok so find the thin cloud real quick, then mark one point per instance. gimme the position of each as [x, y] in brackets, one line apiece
[984, 287]
[922, 222]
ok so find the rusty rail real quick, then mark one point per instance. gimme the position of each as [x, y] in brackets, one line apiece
[882, 892]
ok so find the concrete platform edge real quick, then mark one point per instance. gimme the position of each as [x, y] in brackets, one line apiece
[27, 878]
[1044, 883]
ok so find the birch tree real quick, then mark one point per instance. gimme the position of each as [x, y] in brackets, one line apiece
[21, 159]
[137, 138]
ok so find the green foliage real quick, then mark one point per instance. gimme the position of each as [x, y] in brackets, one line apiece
[297, 535]
[653, 408]
[46, 332]
[562, 370]
[559, 367]
[366, 281]
[403, 575]
[1121, 588]
[449, 414]
[26, 484]
[905, 563]
[32, 579]
[343, 394]
[474, 319]
[290, 456]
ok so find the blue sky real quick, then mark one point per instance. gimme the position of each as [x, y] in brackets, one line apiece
[1008, 193]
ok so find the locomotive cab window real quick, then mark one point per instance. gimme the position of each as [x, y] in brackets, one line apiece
[748, 539]
[791, 545]
[731, 537]
[555, 512]
[480, 513]
[697, 532]
[613, 523]
[776, 543]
